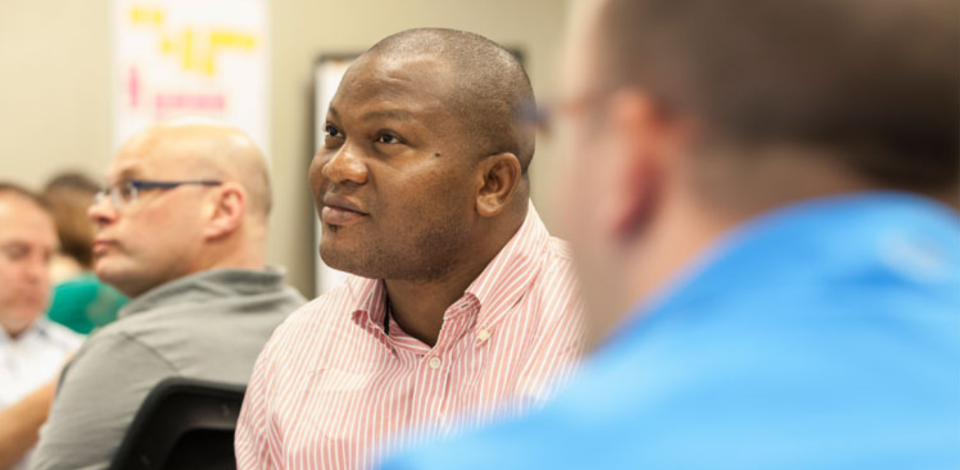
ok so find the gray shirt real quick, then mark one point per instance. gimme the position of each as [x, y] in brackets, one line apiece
[210, 325]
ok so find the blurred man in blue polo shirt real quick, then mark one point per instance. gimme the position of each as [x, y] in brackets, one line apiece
[773, 281]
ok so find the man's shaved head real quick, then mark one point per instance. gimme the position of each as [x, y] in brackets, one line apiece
[489, 88]
[423, 166]
[871, 82]
[167, 233]
[210, 151]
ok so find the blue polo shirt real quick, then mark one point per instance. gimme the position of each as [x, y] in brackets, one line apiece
[825, 335]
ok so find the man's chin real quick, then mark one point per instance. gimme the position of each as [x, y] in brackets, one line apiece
[102, 272]
[348, 261]
[16, 322]
[109, 273]
[335, 259]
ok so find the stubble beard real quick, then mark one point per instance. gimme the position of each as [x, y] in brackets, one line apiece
[425, 257]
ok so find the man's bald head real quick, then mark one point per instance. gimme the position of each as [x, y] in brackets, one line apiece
[489, 88]
[211, 214]
[208, 151]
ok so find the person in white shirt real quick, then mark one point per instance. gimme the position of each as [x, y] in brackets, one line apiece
[32, 349]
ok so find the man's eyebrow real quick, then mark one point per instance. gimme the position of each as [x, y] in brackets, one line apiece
[14, 244]
[332, 112]
[127, 174]
[397, 115]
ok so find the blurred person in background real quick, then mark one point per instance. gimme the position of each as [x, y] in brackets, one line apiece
[756, 207]
[81, 302]
[32, 349]
[181, 230]
[461, 306]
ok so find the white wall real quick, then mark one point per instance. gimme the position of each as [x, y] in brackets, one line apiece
[54, 109]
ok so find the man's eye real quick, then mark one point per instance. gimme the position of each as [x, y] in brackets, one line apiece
[125, 191]
[15, 253]
[387, 138]
[331, 131]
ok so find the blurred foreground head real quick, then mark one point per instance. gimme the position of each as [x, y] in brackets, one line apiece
[683, 118]
[181, 198]
[28, 239]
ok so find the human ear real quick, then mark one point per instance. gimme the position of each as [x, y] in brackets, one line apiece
[640, 167]
[227, 210]
[498, 177]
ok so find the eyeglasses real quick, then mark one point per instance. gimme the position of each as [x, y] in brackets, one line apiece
[544, 116]
[127, 192]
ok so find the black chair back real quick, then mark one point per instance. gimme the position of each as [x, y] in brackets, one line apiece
[184, 424]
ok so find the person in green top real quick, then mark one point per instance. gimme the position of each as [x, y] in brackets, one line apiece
[80, 301]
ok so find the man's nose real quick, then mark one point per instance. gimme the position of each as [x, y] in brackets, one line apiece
[102, 211]
[36, 268]
[345, 166]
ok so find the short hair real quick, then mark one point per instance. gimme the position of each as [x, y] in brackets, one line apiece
[490, 92]
[69, 195]
[874, 83]
[73, 181]
[10, 188]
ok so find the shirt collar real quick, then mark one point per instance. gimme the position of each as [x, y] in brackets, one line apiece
[507, 278]
[501, 284]
[206, 285]
[370, 296]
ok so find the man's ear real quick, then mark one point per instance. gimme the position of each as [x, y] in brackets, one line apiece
[498, 177]
[229, 207]
[646, 140]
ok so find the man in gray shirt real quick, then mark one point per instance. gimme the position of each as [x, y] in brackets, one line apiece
[181, 230]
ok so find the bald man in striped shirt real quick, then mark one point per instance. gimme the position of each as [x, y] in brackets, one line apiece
[461, 307]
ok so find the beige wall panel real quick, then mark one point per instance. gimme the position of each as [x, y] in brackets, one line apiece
[54, 88]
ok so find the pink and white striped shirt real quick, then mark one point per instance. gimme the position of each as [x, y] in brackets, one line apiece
[333, 390]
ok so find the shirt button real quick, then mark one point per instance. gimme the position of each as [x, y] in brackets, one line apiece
[434, 362]
[483, 334]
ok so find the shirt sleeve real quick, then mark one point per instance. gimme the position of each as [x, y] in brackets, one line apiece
[99, 393]
[251, 444]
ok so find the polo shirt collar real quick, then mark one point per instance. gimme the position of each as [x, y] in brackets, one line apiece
[207, 285]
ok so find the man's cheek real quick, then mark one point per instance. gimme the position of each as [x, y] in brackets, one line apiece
[573, 191]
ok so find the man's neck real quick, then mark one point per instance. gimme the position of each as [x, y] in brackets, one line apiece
[418, 306]
[689, 224]
[243, 249]
[13, 333]
[200, 265]
[244, 257]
